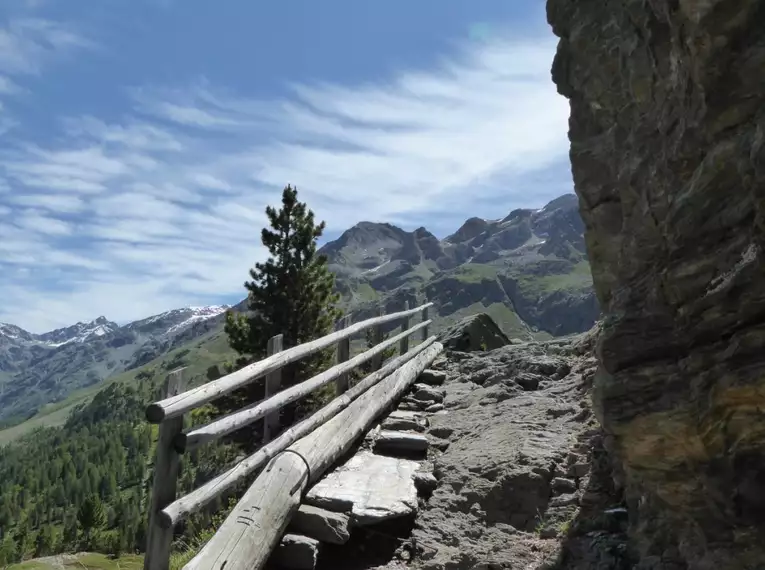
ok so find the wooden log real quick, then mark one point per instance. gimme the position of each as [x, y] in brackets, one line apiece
[343, 353]
[187, 401]
[232, 422]
[377, 338]
[425, 317]
[201, 496]
[273, 385]
[248, 535]
[403, 345]
[159, 538]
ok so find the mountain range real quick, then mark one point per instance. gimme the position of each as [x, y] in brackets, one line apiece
[528, 270]
[38, 369]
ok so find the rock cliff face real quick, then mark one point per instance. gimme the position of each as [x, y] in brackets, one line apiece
[667, 137]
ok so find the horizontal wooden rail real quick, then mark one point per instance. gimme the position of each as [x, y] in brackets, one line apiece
[215, 430]
[182, 403]
[184, 506]
[247, 537]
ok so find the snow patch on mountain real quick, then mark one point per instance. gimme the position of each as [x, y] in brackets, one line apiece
[197, 314]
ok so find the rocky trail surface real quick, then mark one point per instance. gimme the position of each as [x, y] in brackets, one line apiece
[504, 463]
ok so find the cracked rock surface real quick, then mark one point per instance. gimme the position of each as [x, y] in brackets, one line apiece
[667, 134]
[510, 481]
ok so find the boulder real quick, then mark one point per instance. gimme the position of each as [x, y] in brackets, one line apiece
[476, 332]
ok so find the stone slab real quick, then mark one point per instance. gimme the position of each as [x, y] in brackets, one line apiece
[397, 441]
[323, 525]
[296, 552]
[379, 488]
[403, 424]
[432, 377]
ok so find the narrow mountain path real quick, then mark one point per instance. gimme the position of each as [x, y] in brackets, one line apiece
[486, 464]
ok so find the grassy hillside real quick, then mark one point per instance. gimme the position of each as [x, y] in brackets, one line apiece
[198, 355]
[84, 560]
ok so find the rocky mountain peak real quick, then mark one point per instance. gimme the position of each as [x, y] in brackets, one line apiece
[12, 332]
[79, 332]
[469, 230]
[46, 367]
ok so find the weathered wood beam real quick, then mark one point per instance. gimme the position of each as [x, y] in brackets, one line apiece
[403, 345]
[201, 496]
[343, 354]
[273, 385]
[248, 535]
[164, 486]
[377, 337]
[178, 405]
[185, 442]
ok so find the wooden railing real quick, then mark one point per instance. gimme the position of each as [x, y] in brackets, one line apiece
[166, 509]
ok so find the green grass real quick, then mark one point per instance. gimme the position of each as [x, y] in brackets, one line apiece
[475, 273]
[84, 561]
[578, 278]
[211, 349]
[364, 292]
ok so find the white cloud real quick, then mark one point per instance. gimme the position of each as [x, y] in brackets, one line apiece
[42, 223]
[7, 86]
[27, 43]
[165, 207]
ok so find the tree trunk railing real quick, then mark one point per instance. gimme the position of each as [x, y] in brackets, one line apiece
[167, 510]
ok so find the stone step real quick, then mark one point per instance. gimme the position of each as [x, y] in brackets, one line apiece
[398, 422]
[297, 552]
[432, 377]
[325, 526]
[391, 442]
[427, 394]
[374, 488]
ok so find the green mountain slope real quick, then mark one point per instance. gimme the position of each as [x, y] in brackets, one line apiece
[197, 355]
[528, 270]
[40, 371]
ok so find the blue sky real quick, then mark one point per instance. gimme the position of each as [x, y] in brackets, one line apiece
[140, 140]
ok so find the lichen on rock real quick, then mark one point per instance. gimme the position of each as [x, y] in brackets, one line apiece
[667, 135]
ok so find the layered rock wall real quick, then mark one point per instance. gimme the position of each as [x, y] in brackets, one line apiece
[667, 135]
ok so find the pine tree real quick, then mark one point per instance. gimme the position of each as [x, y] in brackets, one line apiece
[91, 516]
[291, 293]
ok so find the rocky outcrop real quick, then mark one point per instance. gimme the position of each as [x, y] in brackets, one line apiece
[477, 332]
[667, 137]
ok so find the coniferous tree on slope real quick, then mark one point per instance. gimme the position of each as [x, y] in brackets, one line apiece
[291, 293]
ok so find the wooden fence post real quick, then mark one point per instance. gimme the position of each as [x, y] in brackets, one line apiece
[343, 354]
[377, 337]
[425, 318]
[166, 463]
[403, 345]
[273, 385]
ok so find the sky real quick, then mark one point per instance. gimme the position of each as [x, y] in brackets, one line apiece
[141, 140]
